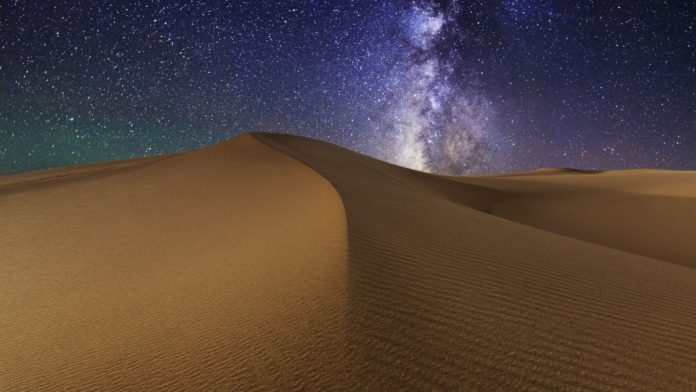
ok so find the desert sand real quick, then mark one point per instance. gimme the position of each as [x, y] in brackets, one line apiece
[273, 262]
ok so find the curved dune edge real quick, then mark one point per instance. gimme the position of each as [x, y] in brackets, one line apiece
[444, 296]
[222, 268]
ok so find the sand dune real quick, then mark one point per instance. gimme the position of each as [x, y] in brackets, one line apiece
[219, 268]
[646, 212]
[545, 171]
[278, 262]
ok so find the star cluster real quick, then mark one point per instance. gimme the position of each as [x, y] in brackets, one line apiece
[439, 85]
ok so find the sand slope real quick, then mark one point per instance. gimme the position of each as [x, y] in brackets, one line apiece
[646, 212]
[241, 267]
[444, 296]
[219, 268]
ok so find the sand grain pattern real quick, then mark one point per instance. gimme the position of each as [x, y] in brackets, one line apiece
[278, 262]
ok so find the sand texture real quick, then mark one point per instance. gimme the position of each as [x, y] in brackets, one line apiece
[273, 262]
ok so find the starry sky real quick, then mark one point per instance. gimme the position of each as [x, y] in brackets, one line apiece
[452, 87]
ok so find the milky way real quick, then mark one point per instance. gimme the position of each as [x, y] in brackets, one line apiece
[437, 85]
[433, 122]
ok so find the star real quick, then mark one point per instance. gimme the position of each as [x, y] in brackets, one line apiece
[456, 87]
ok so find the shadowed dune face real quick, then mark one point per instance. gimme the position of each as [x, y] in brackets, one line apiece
[218, 268]
[273, 262]
[443, 296]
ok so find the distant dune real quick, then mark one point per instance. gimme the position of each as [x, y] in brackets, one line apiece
[273, 262]
[553, 171]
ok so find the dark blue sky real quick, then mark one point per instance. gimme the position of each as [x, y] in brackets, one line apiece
[445, 86]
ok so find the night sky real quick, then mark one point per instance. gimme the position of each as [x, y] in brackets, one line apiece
[451, 87]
